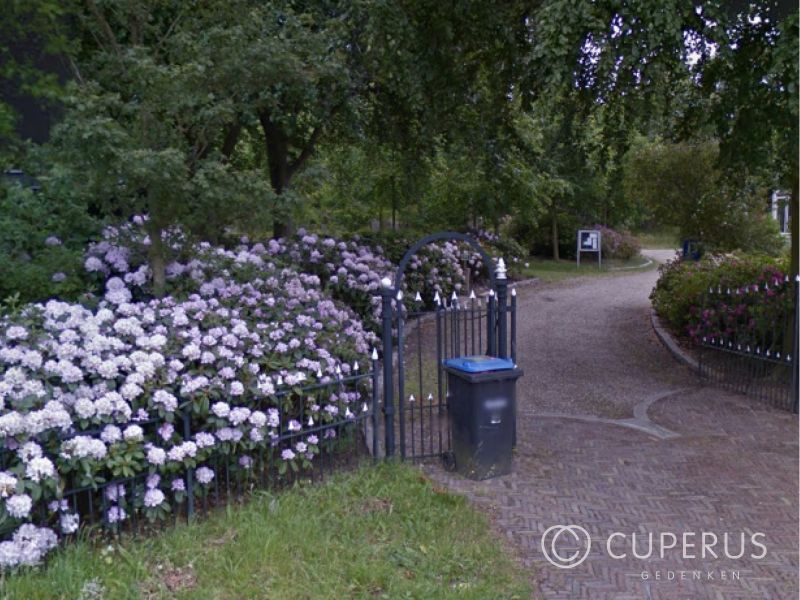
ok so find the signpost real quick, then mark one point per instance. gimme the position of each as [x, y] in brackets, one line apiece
[589, 241]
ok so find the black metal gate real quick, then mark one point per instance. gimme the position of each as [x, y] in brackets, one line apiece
[419, 334]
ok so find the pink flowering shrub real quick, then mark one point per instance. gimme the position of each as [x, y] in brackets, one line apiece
[724, 296]
[618, 244]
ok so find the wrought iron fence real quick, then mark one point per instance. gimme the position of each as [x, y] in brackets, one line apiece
[416, 421]
[748, 340]
[233, 467]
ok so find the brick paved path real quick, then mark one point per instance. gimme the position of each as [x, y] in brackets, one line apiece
[733, 466]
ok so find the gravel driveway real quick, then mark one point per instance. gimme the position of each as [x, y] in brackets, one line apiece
[587, 346]
[726, 465]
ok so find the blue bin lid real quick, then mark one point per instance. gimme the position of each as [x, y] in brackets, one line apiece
[479, 363]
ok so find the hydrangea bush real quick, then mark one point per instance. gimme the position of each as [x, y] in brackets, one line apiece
[134, 401]
[89, 394]
[744, 302]
[618, 244]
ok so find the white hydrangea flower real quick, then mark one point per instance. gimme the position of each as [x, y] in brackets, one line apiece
[19, 506]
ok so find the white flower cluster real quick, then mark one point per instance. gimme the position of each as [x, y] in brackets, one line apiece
[27, 547]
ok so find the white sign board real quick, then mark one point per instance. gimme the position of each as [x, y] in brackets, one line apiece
[589, 240]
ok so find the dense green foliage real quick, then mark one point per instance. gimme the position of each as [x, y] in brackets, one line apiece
[346, 117]
[42, 240]
[682, 186]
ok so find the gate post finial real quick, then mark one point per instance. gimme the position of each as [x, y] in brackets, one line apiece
[501, 271]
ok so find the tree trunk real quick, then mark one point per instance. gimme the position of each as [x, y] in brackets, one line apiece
[230, 140]
[277, 145]
[156, 257]
[554, 229]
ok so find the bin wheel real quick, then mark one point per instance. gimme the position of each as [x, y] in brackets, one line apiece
[449, 461]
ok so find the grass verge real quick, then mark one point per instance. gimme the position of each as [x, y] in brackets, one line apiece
[379, 532]
[558, 270]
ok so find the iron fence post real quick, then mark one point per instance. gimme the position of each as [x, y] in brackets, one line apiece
[795, 389]
[374, 415]
[387, 294]
[514, 325]
[502, 298]
[491, 333]
[401, 377]
[187, 435]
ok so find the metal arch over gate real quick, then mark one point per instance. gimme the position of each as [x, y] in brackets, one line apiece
[418, 422]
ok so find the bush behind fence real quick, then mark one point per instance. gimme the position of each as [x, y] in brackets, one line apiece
[747, 337]
[217, 454]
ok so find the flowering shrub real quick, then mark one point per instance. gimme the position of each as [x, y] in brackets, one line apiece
[618, 244]
[253, 352]
[757, 293]
[440, 267]
[350, 271]
[84, 388]
[500, 246]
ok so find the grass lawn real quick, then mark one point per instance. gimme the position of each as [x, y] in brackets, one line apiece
[548, 269]
[378, 532]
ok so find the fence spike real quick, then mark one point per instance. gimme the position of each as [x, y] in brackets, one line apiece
[417, 298]
[437, 299]
[454, 296]
[364, 407]
[513, 291]
[310, 421]
[411, 398]
[472, 295]
[374, 355]
[430, 397]
[355, 366]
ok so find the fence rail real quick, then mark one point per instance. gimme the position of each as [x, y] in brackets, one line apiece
[318, 439]
[748, 340]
